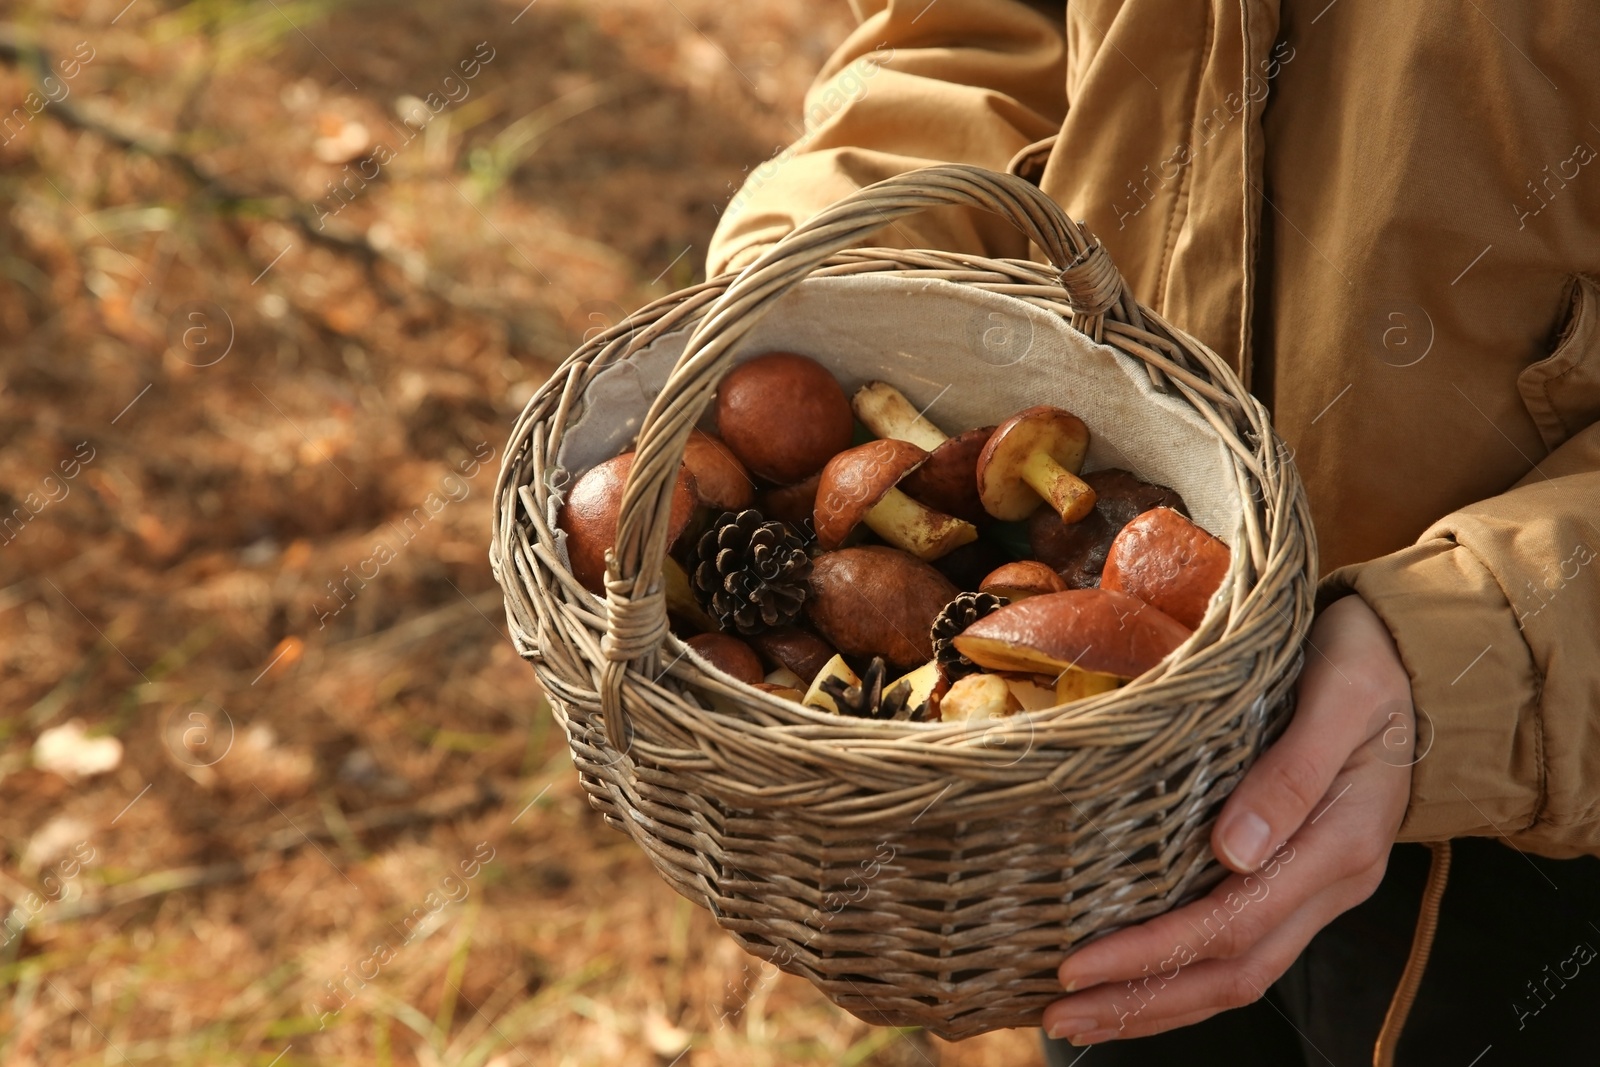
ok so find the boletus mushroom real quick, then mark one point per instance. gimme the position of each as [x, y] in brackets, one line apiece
[858, 485]
[876, 601]
[1095, 631]
[948, 480]
[994, 696]
[783, 415]
[589, 516]
[1035, 456]
[1168, 562]
[798, 651]
[1021, 579]
[729, 655]
[721, 483]
[1077, 550]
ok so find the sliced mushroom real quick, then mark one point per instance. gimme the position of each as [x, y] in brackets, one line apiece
[729, 655]
[1036, 455]
[785, 678]
[589, 516]
[1022, 579]
[858, 485]
[1166, 560]
[876, 601]
[783, 415]
[1092, 630]
[720, 480]
[921, 684]
[978, 696]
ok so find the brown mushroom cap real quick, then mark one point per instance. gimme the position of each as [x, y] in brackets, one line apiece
[855, 480]
[1169, 562]
[877, 601]
[783, 416]
[589, 516]
[720, 480]
[1077, 550]
[1091, 629]
[793, 649]
[729, 655]
[792, 503]
[948, 481]
[1022, 579]
[1059, 434]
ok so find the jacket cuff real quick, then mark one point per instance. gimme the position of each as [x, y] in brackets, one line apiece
[1480, 767]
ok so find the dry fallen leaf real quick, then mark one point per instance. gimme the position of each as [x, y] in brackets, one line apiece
[69, 751]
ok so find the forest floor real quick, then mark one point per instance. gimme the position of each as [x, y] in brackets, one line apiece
[342, 826]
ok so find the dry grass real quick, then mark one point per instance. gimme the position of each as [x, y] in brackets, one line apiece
[336, 773]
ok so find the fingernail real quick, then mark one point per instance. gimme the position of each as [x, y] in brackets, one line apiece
[1092, 1037]
[1245, 840]
[1084, 983]
[1070, 1029]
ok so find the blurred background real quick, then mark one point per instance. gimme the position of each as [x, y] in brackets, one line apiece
[275, 279]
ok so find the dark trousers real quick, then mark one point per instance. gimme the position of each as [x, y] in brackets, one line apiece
[1514, 977]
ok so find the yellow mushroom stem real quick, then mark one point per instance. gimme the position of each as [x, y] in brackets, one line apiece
[885, 411]
[1068, 495]
[916, 528]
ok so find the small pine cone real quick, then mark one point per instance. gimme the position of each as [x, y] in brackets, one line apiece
[750, 573]
[957, 615]
[869, 700]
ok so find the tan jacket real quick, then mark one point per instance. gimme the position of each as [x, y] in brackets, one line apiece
[1388, 218]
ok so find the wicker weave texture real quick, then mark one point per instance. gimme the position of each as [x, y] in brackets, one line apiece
[918, 874]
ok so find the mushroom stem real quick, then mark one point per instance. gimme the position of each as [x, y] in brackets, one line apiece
[885, 411]
[916, 528]
[1067, 494]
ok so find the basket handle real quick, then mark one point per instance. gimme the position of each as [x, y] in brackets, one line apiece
[636, 622]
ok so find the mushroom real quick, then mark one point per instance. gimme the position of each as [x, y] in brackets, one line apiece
[1096, 631]
[1022, 579]
[721, 482]
[1169, 562]
[1078, 550]
[876, 601]
[785, 678]
[729, 655]
[795, 650]
[978, 696]
[834, 668]
[782, 692]
[947, 481]
[589, 516]
[921, 685]
[792, 503]
[1036, 455]
[858, 485]
[783, 416]
[994, 696]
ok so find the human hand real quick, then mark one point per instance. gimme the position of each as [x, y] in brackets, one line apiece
[1332, 789]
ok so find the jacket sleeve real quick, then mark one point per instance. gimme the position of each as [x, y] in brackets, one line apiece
[1496, 613]
[954, 81]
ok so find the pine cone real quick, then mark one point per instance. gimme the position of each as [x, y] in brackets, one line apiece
[957, 615]
[868, 700]
[750, 574]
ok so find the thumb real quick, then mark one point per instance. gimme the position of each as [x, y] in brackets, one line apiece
[1278, 794]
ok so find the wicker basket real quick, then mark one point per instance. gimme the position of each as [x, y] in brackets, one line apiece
[919, 874]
